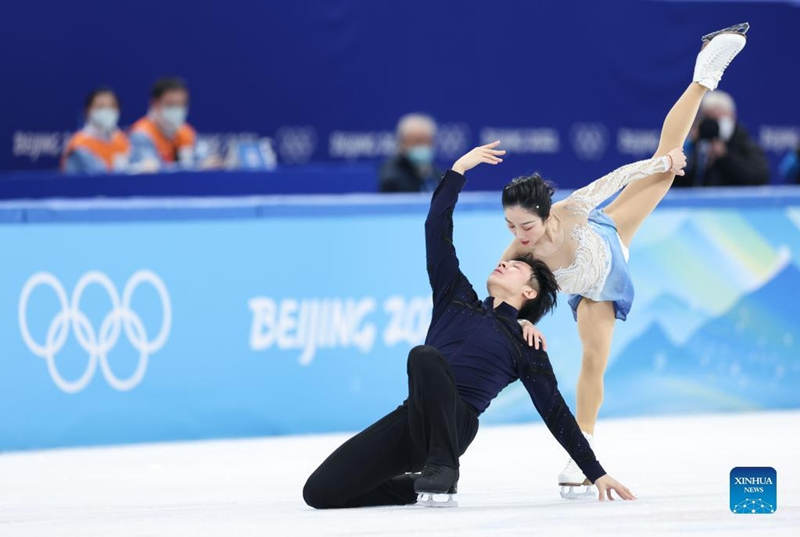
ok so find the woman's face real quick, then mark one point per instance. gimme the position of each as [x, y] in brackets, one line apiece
[526, 226]
[103, 100]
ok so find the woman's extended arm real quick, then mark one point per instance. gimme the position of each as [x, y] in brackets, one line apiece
[587, 198]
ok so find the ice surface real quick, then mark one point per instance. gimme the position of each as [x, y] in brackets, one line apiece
[678, 467]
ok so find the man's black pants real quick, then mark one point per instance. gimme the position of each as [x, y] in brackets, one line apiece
[433, 425]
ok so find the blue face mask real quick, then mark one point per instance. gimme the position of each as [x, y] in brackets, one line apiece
[104, 118]
[421, 155]
[174, 116]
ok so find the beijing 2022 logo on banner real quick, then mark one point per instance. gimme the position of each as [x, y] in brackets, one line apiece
[97, 342]
[754, 490]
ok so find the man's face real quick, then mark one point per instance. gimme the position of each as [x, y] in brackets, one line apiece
[717, 112]
[511, 278]
[416, 137]
[173, 98]
[724, 117]
[171, 109]
[104, 100]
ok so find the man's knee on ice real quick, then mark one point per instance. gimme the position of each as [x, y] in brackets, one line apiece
[423, 356]
[316, 495]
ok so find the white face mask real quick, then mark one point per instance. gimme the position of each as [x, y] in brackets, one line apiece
[726, 127]
[104, 118]
[174, 116]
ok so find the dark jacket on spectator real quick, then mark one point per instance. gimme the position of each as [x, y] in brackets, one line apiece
[398, 174]
[744, 164]
[789, 168]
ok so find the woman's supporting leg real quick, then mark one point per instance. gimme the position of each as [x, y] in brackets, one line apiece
[363, 471]
[638, 199]
[441, 425]
[595, 328]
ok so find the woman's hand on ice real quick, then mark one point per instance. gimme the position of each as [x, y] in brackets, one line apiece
[677, 161]
[532, 335]
[483, 153]
[605, 484]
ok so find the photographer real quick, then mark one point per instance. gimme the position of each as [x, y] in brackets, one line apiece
[719, 150]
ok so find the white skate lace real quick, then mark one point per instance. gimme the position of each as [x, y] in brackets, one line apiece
[718, 72]
[572, 466]
[713, 60]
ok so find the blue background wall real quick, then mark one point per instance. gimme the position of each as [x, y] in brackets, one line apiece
[308, 69]
[296, 315]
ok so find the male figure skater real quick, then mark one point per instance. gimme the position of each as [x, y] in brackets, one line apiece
[474, 349]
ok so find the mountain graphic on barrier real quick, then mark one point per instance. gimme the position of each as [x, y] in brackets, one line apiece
[678, 264]
[677, 318]
[722, 366]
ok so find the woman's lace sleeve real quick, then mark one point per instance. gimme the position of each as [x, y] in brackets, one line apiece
[587, 198]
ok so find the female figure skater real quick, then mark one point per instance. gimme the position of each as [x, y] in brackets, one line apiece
[587, 248]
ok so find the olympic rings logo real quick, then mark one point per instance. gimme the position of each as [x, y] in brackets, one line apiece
[96, 342]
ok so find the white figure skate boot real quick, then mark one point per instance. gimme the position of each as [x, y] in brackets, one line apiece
[717, 53]
[574, 485]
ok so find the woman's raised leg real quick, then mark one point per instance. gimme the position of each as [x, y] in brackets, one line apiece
[638, 199]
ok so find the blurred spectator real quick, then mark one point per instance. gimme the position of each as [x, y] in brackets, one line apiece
[99, 147]
[162, 138]
[789, 168]
[412, 168]
[719, 150]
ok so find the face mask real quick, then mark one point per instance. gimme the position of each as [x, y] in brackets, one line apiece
[174, 116]
[421, 155]
[104, 118]
[726, 127]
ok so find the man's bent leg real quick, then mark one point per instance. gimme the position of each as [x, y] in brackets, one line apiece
[441, 425]
[363, 471]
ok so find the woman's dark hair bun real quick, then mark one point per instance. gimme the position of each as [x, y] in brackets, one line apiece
[530, 192]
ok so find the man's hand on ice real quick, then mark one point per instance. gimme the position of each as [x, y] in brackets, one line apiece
[605, 484]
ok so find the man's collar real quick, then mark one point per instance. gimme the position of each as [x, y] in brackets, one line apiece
[505, 309]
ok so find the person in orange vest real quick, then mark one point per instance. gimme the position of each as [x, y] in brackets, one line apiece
[162, 139]
[99, 147]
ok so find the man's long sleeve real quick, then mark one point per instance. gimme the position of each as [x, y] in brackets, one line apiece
[443, 270]
[538, 378]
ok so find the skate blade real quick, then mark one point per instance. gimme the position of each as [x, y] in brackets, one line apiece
[436, 499]
[740, 29]
[578, 492]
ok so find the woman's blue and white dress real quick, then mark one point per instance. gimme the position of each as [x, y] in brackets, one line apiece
[599, 270]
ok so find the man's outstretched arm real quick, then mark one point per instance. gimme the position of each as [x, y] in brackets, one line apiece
[440, 253]
[537, 375]
[443, 269]
[538, 378]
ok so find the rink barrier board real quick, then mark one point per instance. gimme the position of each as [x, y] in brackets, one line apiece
[269, 315]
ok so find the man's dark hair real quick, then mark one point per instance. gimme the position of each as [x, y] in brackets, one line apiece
[165, 84]
[530, 192]
[543, 280]
[87, 103]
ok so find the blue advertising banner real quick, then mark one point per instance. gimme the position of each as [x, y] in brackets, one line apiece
[574, 89]
[273, 316]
